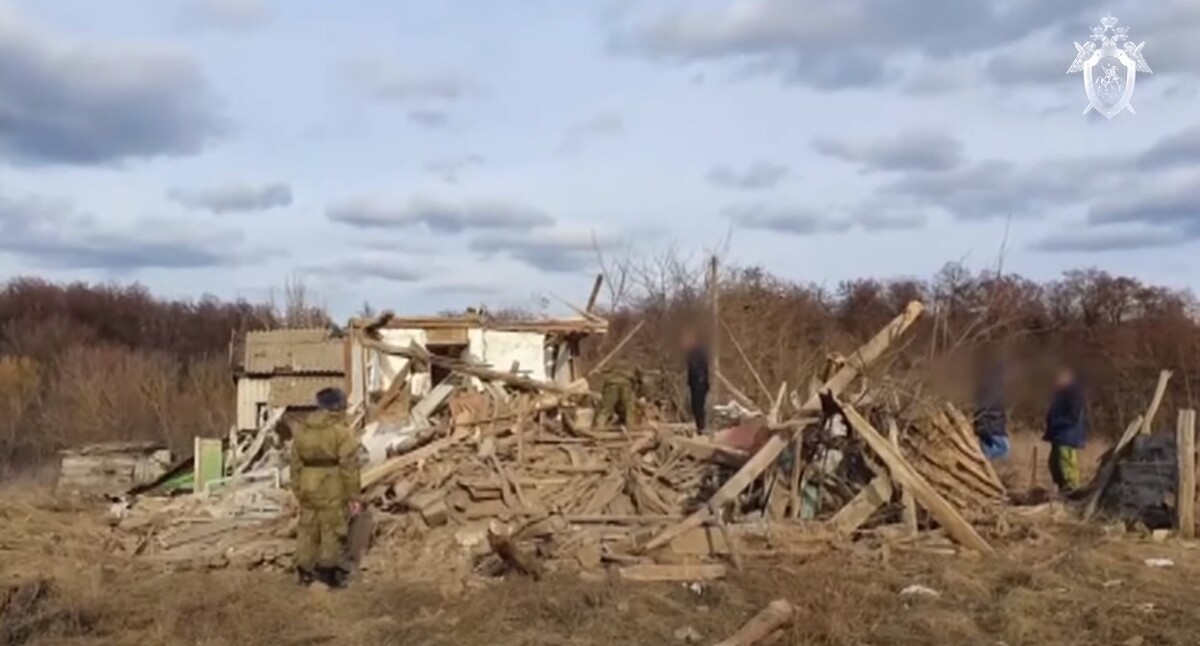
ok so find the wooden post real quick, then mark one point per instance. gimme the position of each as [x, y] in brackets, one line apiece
[1033, 470]
[715, 341]
[1185, 447]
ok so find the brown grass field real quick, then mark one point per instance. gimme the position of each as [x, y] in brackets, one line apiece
[1055, 582]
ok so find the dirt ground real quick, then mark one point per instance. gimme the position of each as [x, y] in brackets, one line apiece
[1055, 582]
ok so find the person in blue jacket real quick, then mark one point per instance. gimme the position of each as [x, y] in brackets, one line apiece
[991, 422]
[1066, 430]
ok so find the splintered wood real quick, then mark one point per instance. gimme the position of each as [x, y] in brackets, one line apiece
[942, 447]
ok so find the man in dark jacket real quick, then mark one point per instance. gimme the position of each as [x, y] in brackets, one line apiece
[697, 375]
[1066, 430]
[990, 417]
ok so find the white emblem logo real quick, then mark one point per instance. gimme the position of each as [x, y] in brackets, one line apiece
[1118, 62]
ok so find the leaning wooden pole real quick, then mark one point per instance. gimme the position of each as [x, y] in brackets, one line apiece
[714, 290]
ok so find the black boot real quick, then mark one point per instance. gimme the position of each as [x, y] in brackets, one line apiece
[305, 576]
[338, 577]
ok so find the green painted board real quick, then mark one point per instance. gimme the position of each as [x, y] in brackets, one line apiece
[209, 462]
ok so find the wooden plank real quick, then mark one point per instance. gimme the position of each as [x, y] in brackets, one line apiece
[942, 511]
[653, 572]
[1106, 471]
[766, 456]
[856, 512]
[910, 507]
[797, 467]
[612, 353]
[708, 451]
[742, 397]
[1185, 448]
[1159, 390]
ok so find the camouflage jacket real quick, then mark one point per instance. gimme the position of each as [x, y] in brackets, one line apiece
[324, 461]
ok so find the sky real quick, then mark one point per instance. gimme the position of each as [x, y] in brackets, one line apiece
[423, 156]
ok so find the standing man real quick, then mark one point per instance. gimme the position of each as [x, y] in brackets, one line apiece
[325, 480]
[991, 423]
[697, 374]
[1066, 430]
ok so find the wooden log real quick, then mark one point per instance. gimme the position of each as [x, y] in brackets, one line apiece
[591, 301]
[1160, 389]
[500, 539]
[766, 456]
[856, 512]
[1185, 448]
[654, 572]
[776, 615]
[945, 514]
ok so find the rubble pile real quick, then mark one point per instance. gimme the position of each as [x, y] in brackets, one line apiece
[510, 473]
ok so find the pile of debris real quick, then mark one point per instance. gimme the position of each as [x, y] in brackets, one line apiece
[508, 470]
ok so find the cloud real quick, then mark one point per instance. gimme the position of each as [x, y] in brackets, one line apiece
[921, 151]
[51, 234]
[431, 119]
[601, 126]
[1170, 200]
[838, 45]
[791, 220]
[387, 82]
[234, 197]
[439, 216]
[451, 170]
[559, 250]
[379, 268]
[1181, 149]
[231, 15]
[63, 102]
[1108, 239]
[758, 175]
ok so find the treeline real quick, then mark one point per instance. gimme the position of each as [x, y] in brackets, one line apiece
[1117, 331]
[84, 363]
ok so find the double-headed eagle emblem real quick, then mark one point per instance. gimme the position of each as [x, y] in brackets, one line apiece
[1119, 60]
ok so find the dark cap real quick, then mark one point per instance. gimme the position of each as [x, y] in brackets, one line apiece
[331, 399]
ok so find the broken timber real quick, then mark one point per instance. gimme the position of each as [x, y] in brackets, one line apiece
[770, 451]
[775, 616]
[902, 472]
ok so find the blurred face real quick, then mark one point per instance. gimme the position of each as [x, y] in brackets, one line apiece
[1064, 378]
[688, 340]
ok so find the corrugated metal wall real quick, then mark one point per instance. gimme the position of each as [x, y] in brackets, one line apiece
[250, 393]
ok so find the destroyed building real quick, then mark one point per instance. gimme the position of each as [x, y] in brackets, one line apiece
[280, 369]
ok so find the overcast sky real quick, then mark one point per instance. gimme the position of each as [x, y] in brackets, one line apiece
[430, 155]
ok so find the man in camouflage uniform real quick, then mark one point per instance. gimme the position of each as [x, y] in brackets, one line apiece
[618, 396]
[325, 479]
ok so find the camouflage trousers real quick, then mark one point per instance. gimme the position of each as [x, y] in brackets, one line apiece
[321, 537]
[616, 402]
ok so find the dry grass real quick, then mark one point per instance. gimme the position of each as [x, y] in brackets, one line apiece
[1056, 583]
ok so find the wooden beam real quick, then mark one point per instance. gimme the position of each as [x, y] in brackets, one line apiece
[876, 494]
[591, 301]
[652, 572]
[1185, 497]
[942, 511]
[766, 456]
[612, 353]
[1106, 471]
[1159, 390]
